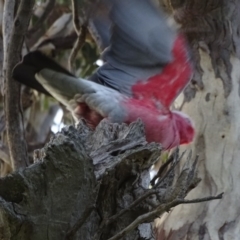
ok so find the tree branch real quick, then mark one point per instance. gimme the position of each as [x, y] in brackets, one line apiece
[94, 194]
[81, 33]
[158, 212]
[77, 46]
[8, 19]
[175, 161]
[14, 121]
[48, 9]
[163, 167]
[115, 217]
[75, 13]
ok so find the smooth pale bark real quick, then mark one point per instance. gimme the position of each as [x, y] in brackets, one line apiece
[217, 120]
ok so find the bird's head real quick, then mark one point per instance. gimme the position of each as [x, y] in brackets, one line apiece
[185, 127]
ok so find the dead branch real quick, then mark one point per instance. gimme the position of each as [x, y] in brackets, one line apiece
[77, 46]
[163, 167]
[158, 212]
[81, 33]
[75, 13]
[12, 53]
[8, 19]
[94, 185]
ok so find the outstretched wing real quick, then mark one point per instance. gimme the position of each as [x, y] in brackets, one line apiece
[145, 58]
[163, 88]
[141, 50]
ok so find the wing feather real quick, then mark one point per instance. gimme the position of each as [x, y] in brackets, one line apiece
[140, 46]
[145, 59]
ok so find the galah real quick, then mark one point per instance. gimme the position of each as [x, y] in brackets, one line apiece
[146, 67]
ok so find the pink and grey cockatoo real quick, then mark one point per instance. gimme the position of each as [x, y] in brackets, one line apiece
[146, 67]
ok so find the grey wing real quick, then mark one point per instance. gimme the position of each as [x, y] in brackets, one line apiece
[140, 46]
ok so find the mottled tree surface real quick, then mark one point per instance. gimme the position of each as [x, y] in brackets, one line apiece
[212, 101]
[92, 185]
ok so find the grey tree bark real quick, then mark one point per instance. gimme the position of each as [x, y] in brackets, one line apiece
[212, 101]
[93, 185]
[14, 32]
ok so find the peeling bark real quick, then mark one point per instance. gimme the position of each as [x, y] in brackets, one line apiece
[214, 107]
[212, 101]
[213, 26]
[217, 122]
[92, 185]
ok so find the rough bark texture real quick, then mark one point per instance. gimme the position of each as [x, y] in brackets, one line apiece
[13, 45]
[92, 185]
[213, 103]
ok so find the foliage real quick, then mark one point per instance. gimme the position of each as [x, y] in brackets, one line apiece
[39, 110]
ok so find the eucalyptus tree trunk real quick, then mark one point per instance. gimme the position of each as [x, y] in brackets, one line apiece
[213, 102]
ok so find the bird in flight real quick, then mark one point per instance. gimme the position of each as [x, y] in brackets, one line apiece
[146, 66]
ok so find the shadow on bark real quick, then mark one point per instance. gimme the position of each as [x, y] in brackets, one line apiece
[93, 185]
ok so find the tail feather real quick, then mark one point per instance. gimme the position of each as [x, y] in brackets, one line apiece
[63, 87]
[32, 63]
[45, 75]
